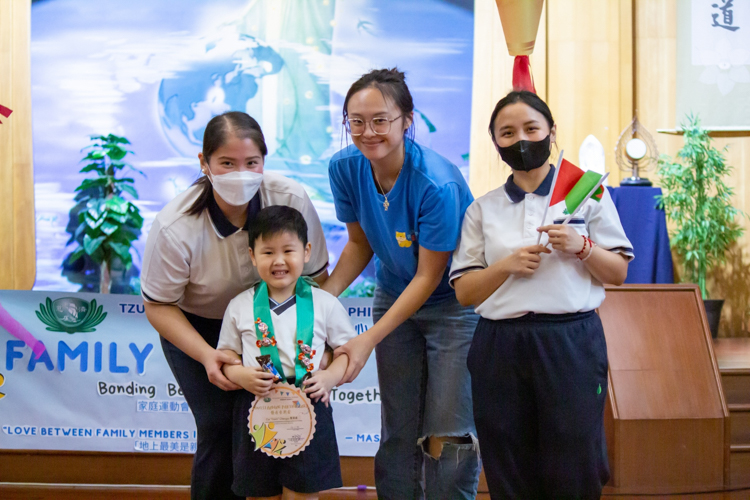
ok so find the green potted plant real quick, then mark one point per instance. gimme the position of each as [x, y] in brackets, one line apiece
[365, 288]
[103, 224]
[698, 202]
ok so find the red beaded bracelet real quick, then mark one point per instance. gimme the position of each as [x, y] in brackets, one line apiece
[591, 249]
[585, 239]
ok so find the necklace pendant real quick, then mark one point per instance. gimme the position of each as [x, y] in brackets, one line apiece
[386, 205]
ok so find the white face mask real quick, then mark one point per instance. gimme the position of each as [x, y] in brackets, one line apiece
[237, 188]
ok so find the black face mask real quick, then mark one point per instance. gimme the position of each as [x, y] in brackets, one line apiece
[525, 155]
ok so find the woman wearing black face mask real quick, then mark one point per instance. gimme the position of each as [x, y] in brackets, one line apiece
[538, 360]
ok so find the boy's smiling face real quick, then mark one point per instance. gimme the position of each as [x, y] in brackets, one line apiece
[280, 259]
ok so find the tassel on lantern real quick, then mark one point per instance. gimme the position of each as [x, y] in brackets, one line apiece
[522, 79]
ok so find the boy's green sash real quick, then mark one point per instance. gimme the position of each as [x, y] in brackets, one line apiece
[305, 321]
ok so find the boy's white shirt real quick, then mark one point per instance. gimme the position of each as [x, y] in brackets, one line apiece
[332, 327]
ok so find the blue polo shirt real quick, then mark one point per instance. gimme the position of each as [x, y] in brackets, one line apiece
[427, 206]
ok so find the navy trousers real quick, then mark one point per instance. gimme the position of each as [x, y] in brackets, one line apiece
[539, 384]
[211, 477]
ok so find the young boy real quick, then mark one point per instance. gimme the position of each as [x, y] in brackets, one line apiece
[279, 249]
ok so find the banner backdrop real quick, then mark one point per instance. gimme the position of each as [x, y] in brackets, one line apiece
[101, 382]
[165, 68]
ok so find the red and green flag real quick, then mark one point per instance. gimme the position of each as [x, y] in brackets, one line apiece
[573, 185]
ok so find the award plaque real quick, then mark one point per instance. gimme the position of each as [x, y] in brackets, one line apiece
[282, 424]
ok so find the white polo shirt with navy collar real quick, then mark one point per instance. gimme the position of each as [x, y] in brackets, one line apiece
[201, 262]
[331, 326]
[506, 219]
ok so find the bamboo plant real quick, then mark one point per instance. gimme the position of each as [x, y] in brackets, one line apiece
[698, 202]
[107, 224]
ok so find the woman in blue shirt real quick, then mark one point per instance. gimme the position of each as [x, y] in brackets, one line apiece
[405, 204]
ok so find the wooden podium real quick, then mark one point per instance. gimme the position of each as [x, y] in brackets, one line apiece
[666, 419]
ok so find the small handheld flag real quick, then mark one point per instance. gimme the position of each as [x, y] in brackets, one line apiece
[573, 184]
[575, 187]
[554, 181]
[591, 194]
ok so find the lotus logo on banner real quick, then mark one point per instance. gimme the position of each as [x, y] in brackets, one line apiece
[70, 315]
[2, 381]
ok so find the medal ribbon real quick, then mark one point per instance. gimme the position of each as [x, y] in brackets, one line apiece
[305, 321]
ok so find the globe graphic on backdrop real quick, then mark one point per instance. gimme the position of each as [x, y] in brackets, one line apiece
[225, 78]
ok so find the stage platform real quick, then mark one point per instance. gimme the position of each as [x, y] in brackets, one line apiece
[82, 492]
[110, 492]
[733, 357]
[82, 476]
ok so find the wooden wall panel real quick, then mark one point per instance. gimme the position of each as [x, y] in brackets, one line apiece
[6, 149]
[656, 80]
[17, 246]
[590, 73]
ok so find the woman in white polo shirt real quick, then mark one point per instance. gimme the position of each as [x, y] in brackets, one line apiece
[197, 260]
[538, 360]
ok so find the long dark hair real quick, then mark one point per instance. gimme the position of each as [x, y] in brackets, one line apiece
[217, 131]
[392, 84]
[526, 97]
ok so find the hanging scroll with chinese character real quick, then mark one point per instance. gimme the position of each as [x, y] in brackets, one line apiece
[713, 62]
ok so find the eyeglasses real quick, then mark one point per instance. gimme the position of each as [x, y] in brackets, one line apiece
[379, 125]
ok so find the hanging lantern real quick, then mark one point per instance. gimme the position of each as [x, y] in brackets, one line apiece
[520, 19]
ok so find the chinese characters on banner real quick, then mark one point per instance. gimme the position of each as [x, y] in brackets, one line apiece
[105, 385]
[726, 12]
[720, 33]
[713, 62]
